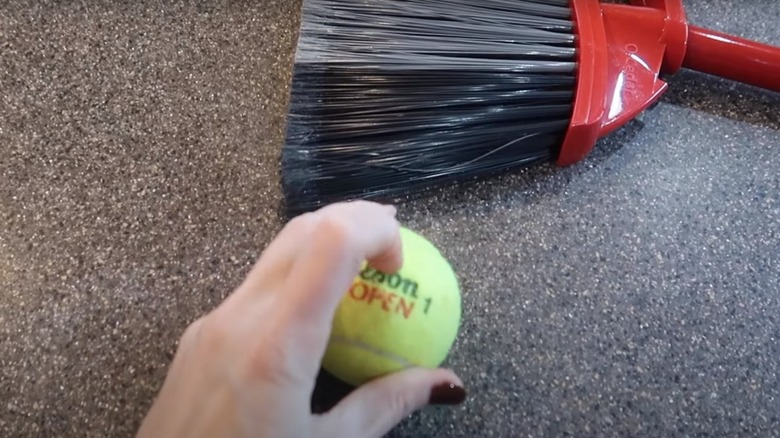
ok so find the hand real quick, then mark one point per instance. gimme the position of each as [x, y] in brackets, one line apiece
[248, 368]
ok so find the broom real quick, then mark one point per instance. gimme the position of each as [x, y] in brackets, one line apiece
[391, 98]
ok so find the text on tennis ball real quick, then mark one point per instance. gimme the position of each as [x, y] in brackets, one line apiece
[395, 281]
[391, 293]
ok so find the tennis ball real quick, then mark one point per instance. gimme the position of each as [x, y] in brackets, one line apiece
[387, 322]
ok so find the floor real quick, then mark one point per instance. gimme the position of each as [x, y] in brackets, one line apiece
[634, 294]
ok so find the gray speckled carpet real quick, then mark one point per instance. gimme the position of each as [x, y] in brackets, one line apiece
[634, 294]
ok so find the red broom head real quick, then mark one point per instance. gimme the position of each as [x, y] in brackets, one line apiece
[624, 48]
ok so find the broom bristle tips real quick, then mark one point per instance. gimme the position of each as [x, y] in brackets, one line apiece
[390, 98]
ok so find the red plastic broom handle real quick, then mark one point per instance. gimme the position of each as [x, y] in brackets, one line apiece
[733, 58]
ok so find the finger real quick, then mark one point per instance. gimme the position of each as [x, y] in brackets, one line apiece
[342, 238]
[278, 257]
[385, 258]
[375, 408]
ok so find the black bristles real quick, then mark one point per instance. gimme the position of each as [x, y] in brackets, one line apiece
[392, 97]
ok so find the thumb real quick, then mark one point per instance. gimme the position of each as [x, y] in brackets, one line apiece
[376, 407]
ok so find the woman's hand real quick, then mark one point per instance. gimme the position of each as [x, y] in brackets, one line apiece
[248, 368]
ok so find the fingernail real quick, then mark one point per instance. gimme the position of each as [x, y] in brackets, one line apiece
[447, 394]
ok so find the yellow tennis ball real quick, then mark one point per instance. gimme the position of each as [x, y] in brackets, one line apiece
[390, 321]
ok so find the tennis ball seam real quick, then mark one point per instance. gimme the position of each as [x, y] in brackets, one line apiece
[354, 343]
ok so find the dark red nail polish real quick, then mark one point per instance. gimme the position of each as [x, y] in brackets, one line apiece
[447, 394]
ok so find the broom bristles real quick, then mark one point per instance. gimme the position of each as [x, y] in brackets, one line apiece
[393, 97]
